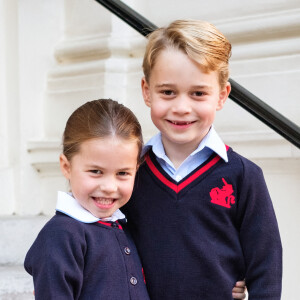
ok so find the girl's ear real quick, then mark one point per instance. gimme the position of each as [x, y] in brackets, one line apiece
[65, 166]
[224, 93]
[146, 92]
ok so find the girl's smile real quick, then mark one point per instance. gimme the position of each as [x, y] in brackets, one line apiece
[103, 203]
[102, 174]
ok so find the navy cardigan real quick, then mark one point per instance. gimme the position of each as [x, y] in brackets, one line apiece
[197, 237]
[74, 260]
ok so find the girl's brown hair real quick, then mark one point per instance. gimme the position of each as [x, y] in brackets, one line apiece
[99, 119]
[199, 40]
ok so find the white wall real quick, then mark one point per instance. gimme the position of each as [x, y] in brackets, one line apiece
[55, 55]
[9, 105]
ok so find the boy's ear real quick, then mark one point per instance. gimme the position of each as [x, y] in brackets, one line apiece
[65, 166]
[146, 92]
[224, 93]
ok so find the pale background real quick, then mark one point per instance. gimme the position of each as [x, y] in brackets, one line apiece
[56, 55]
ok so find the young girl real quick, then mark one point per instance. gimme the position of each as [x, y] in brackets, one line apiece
[84, 251]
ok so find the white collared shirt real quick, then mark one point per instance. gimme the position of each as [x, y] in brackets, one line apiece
[69, 206]
[209, 144]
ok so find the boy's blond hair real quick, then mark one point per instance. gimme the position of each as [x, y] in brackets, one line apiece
[199, 40]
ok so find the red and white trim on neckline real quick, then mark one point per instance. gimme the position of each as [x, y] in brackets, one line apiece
[111, 224]
[178, 187]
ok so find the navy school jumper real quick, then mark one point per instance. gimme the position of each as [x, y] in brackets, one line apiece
[88, 261]
[197, 237]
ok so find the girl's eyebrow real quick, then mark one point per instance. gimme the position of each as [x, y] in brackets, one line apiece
[125, 169]
[93, 166]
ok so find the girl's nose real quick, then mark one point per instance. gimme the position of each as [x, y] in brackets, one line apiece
[108, 185]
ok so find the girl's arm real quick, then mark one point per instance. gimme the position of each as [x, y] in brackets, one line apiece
[238, 292]
[56, 262]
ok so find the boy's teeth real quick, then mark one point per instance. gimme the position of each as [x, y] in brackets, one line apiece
[181, 123]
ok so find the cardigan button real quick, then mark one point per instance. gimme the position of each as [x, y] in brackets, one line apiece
[127, 250]
[133, 280]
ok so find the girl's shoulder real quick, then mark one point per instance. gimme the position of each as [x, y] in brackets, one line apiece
[62, 225]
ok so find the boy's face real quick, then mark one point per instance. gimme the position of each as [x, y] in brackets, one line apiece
[102, 174]
[183, 99]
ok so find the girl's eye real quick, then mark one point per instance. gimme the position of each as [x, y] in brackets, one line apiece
[123, 173]
[167, 92]
[96, 172]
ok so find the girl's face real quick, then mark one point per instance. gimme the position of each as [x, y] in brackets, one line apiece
[102, 173]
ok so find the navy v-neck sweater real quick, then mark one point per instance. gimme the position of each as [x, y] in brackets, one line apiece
[74, 260]
[197, 237]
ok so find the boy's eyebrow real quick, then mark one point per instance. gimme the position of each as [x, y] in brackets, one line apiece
[203, 86]
[169, 85]
[164, 84]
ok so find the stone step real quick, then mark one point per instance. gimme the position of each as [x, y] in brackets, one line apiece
[15, 283]
[17, 235]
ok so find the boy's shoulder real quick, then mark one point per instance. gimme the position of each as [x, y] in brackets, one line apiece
[237, 160]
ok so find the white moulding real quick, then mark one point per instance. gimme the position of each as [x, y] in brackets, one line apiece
[266, 49]
[99, 47]
[261, 145]
[44, 156]
[83, 48]
[261, 26]
[263, 35]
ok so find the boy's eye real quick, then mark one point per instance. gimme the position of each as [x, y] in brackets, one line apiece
[198, 93]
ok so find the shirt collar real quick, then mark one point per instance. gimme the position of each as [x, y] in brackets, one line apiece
[69, 206]
[211, 141]
[157, 146]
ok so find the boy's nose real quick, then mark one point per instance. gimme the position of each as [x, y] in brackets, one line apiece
[181, 105]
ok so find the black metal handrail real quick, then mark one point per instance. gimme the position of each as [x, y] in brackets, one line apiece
[239, 94]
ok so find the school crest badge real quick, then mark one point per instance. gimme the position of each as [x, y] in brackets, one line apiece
[223, 196]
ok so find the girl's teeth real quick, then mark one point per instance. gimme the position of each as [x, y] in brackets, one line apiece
[104, 201]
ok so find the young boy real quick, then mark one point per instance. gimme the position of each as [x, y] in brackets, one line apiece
[200, 214]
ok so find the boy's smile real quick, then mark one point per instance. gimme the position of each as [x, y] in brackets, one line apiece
[183, 100]
[181, 124]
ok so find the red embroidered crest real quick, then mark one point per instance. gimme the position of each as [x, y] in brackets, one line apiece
[223, 196]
